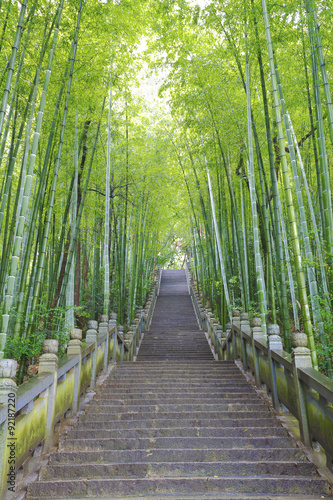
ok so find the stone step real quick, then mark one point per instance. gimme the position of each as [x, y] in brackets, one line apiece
[108, 400]
[190, 394]
[267, 421]
[206, 443]
[175, 382]
[178, 432]
[143, 486]
[144, 376]
[101, 406]
[202, 415]
[179, 455]
[168, 469]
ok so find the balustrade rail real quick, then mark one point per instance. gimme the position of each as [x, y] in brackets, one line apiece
[28, 414]
[290, 380]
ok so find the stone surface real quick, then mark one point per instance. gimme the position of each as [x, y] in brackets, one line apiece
[8, 368]
[50, 346]
[76, 334]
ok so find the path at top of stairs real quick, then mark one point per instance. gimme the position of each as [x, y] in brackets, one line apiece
[177, 425]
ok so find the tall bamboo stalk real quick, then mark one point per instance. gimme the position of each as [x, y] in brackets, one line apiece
[289, 198]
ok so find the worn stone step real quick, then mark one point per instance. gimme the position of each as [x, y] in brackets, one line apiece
[269, 420]
[190, 395]
[100, 406]
[144, 377]
[175, 442]
[177, 365]
[144, 486]
[169, 369]
[178, 432]
[179, 455]
[195, 415]
[108, 400]
[180, 384]
[168, 469]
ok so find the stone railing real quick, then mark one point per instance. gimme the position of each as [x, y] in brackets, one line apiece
[289, 379]
[28, 413]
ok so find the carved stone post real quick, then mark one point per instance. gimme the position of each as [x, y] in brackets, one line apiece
[91, 337]
[8, 389]
[48, 363]
[235, 322]
[103, 329]
[274, 342]
[257, 334]
[274, 339]
[113, 324]
[74, 348]
[228, 334]
[245, 327]
[301, 358]
[121, 335]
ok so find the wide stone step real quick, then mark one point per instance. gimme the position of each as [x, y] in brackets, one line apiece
[168, 469]
[178, 383]
[190, 395]
[100, 406]
[179, 432]
[195, 415]
[179, 455]
[143, 486]
[144, 376]
[267, 421]
[169, 400]
[175, 442]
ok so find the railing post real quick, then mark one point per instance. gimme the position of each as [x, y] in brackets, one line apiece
[301, 358]
[235, 322]
[48, 363]
[103, 329]
[113, 324]
[245, 327]
[140, 315]
[228, 333]
[74, 348]
[8, 389]
[274, 342]
[257, 334]
[91, 338]
[121, 335]
[219, 336]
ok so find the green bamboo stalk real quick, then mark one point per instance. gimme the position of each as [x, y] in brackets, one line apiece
[253, 198]
[317, 317]
[107, 208]
[323, 161]
[311, 11]
[10, 73]
[27, 188]
[289, 198]
[79, 214]
[217, 238]
[42, 253]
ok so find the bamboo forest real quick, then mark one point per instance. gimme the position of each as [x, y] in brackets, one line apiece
[135, 135]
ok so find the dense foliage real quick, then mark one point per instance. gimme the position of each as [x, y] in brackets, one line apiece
[101, 181]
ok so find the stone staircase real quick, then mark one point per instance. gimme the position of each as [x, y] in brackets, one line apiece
[177, 425]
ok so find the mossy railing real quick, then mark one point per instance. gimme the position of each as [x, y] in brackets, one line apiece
[29, 413]
[289, 379]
